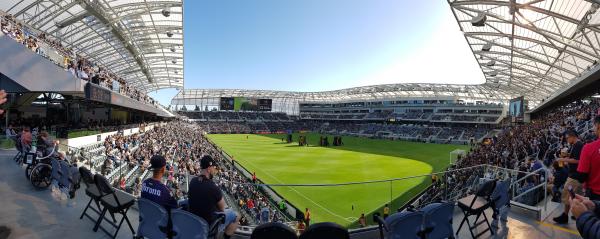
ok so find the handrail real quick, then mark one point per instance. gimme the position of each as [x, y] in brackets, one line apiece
[526, 176]
[528, 190]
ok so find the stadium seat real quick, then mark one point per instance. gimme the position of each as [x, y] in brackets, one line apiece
[475, 205]
[327, 230]
[273, 230]
[91, 191]
[153, 220]
[405, 225]
[113, 201]
[438, 220]
[187, 225]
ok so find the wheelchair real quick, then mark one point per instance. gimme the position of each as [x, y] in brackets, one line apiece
[50, 170]
[39, 169]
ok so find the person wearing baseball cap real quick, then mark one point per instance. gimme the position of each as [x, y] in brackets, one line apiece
[570, 158]
[206, 199]
[153, 189]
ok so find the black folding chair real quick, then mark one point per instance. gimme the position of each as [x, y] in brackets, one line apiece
[91, 191]
[475, 205]
[113, 201]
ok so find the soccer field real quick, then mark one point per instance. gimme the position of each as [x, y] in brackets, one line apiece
[360, 159]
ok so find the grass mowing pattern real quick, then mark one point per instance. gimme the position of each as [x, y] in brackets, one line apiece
[360, 159]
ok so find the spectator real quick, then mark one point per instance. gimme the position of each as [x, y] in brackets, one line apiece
[44, 145]
[386, 211]
[10, 132]
[572, 182]
[26, 139]
[589, 164]
[362, 220]
[282, 206]
[307, 217]
[206, 199]
[153, 189]
[587, 213]
[301, 227]
[558, 179]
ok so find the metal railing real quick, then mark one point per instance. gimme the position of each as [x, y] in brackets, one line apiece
[450, 185]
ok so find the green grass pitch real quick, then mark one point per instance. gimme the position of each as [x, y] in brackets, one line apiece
[360, 159]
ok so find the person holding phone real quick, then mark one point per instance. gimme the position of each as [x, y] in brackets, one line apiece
[587, 213]
[571, 159]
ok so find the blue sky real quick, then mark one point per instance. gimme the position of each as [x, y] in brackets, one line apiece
[313, 45]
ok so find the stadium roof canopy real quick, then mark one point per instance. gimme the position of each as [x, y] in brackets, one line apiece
[139, 40]
[525, 48]
[389, 91]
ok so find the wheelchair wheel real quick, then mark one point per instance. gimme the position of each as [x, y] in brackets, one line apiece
[41, 175]
[28, 170]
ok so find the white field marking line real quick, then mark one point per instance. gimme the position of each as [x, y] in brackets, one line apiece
[302, 195]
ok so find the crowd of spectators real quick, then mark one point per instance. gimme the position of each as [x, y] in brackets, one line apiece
[446, 134]
[182, 145]
[408, 116]
[78, 65]
[235, 116]
[532, 147]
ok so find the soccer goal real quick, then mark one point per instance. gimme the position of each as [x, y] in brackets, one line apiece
[454, 155]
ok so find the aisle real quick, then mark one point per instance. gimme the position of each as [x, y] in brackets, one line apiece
[32, 214]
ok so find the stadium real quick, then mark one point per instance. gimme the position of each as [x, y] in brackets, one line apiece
[95, 148]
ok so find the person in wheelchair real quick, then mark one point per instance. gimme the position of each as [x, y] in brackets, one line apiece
[45, 145]
[26, 139]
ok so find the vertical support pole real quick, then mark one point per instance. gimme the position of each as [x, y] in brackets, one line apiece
[446, 185]
[391, 191]
[545, 194]
[6, 117]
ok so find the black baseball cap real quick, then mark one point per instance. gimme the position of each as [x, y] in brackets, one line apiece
[207, 161]
[157, 162]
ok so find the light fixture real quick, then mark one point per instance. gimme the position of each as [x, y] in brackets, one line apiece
[479, 20]
[166, 12]
[487, 47]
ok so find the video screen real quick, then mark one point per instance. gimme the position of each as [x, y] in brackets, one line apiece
[516, 107]
[265, 104]
[245, 104]
[227, 103]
